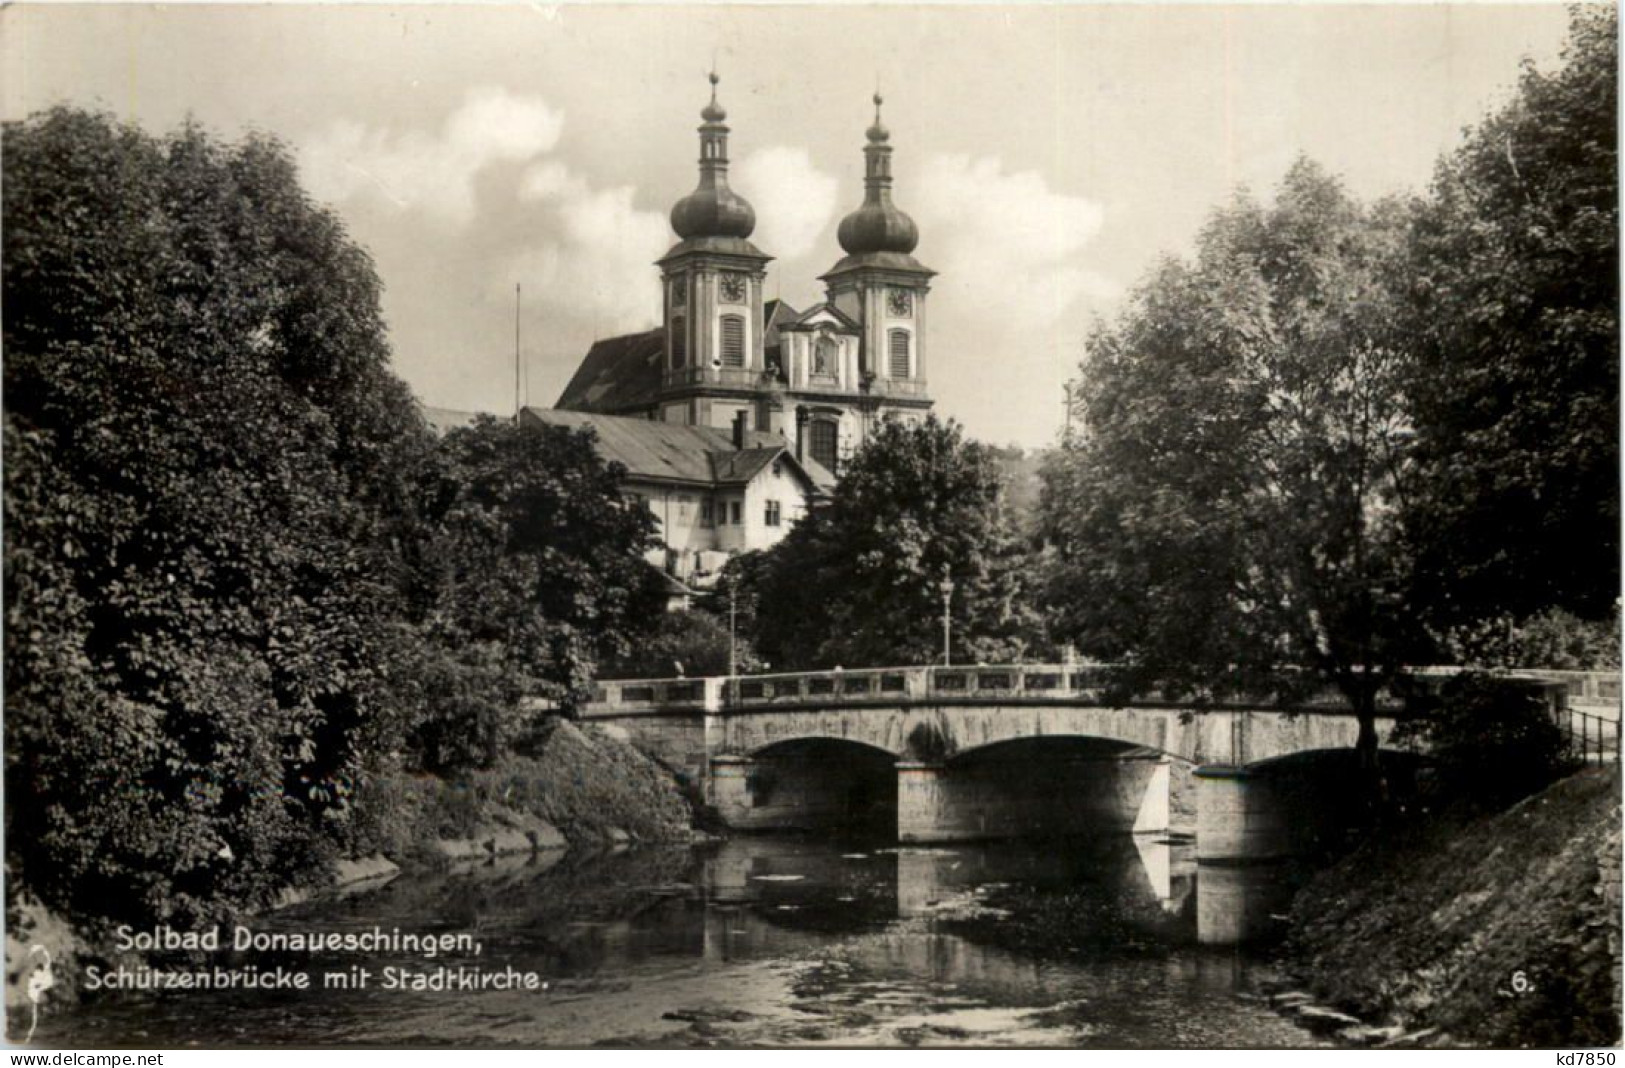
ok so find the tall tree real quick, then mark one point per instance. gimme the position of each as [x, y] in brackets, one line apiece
[1225, 520]
[203, 441]
[532, 575]
[859, 582]
[1514, 313]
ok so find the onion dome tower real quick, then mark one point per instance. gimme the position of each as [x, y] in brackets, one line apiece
[713, 282]
[879, 283]
[879, 225]
[713, 209]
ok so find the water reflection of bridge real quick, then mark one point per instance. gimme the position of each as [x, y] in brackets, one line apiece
[1149, 887]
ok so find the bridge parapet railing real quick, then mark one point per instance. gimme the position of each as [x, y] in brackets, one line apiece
[862, 685]
[882, 685]
[1028, 683]
[1591, 688]
[1025, 681]
[621, 696]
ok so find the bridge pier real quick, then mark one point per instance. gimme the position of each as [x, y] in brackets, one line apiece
[1239, 816]
[1243, 827]
[922, 801]
[728, 789]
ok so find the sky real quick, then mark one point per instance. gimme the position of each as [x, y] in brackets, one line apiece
[1050, 154]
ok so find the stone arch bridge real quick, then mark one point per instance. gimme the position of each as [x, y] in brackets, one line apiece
[940, 754]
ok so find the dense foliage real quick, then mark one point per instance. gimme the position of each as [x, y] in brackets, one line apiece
[859, 581]
[1344, 438]
[531, 573]
[202, 445]
[687, 643]
[241, 574]
[1227, 511]
[1553, 639]
[1513, 279]
[1493, 739]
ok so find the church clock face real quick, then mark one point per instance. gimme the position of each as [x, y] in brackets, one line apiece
[900, 302]
[733, 288]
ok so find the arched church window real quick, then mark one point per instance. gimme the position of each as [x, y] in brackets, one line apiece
[899, 354]
[824, 355]
[679, 344]
[825, 442]
[733, 341]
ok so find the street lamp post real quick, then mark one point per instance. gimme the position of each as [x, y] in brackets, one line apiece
[947, 589]
[733, 629]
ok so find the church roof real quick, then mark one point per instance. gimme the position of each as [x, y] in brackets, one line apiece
[617, 374]
[775, 312]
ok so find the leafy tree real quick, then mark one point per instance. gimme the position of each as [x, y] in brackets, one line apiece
[1494, 739]
[857, 582]
[1552, 639]
[205, 453]
[532, 575]
[1225, 519]
[697, 641]
[1514, 266]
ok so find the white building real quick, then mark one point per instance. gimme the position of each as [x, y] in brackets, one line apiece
[713, 492]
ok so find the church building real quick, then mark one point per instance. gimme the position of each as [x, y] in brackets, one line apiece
[820, 379]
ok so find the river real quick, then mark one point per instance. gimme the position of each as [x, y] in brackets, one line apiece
[768, 940]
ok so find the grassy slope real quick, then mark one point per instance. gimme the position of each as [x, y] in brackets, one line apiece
[589, 786]
[1428, 928]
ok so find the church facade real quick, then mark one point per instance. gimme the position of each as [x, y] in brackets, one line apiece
[819, 379]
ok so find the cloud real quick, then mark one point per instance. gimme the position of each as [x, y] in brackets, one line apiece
[1006, 241]
[597, 261]
[432, 173]
[1012, 300]
[794, 200]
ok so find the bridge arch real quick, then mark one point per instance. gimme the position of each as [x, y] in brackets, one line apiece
[1333, 754]
[1038, 745]
[783, 746]
[811, 783]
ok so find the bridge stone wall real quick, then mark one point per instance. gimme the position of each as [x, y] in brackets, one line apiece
[683, 741]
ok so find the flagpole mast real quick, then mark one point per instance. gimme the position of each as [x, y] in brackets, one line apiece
[516, 401]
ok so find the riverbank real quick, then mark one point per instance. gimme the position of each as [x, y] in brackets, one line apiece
[575, 787]
[1489, 931]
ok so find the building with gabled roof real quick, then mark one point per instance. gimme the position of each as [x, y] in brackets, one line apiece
[712, 492]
